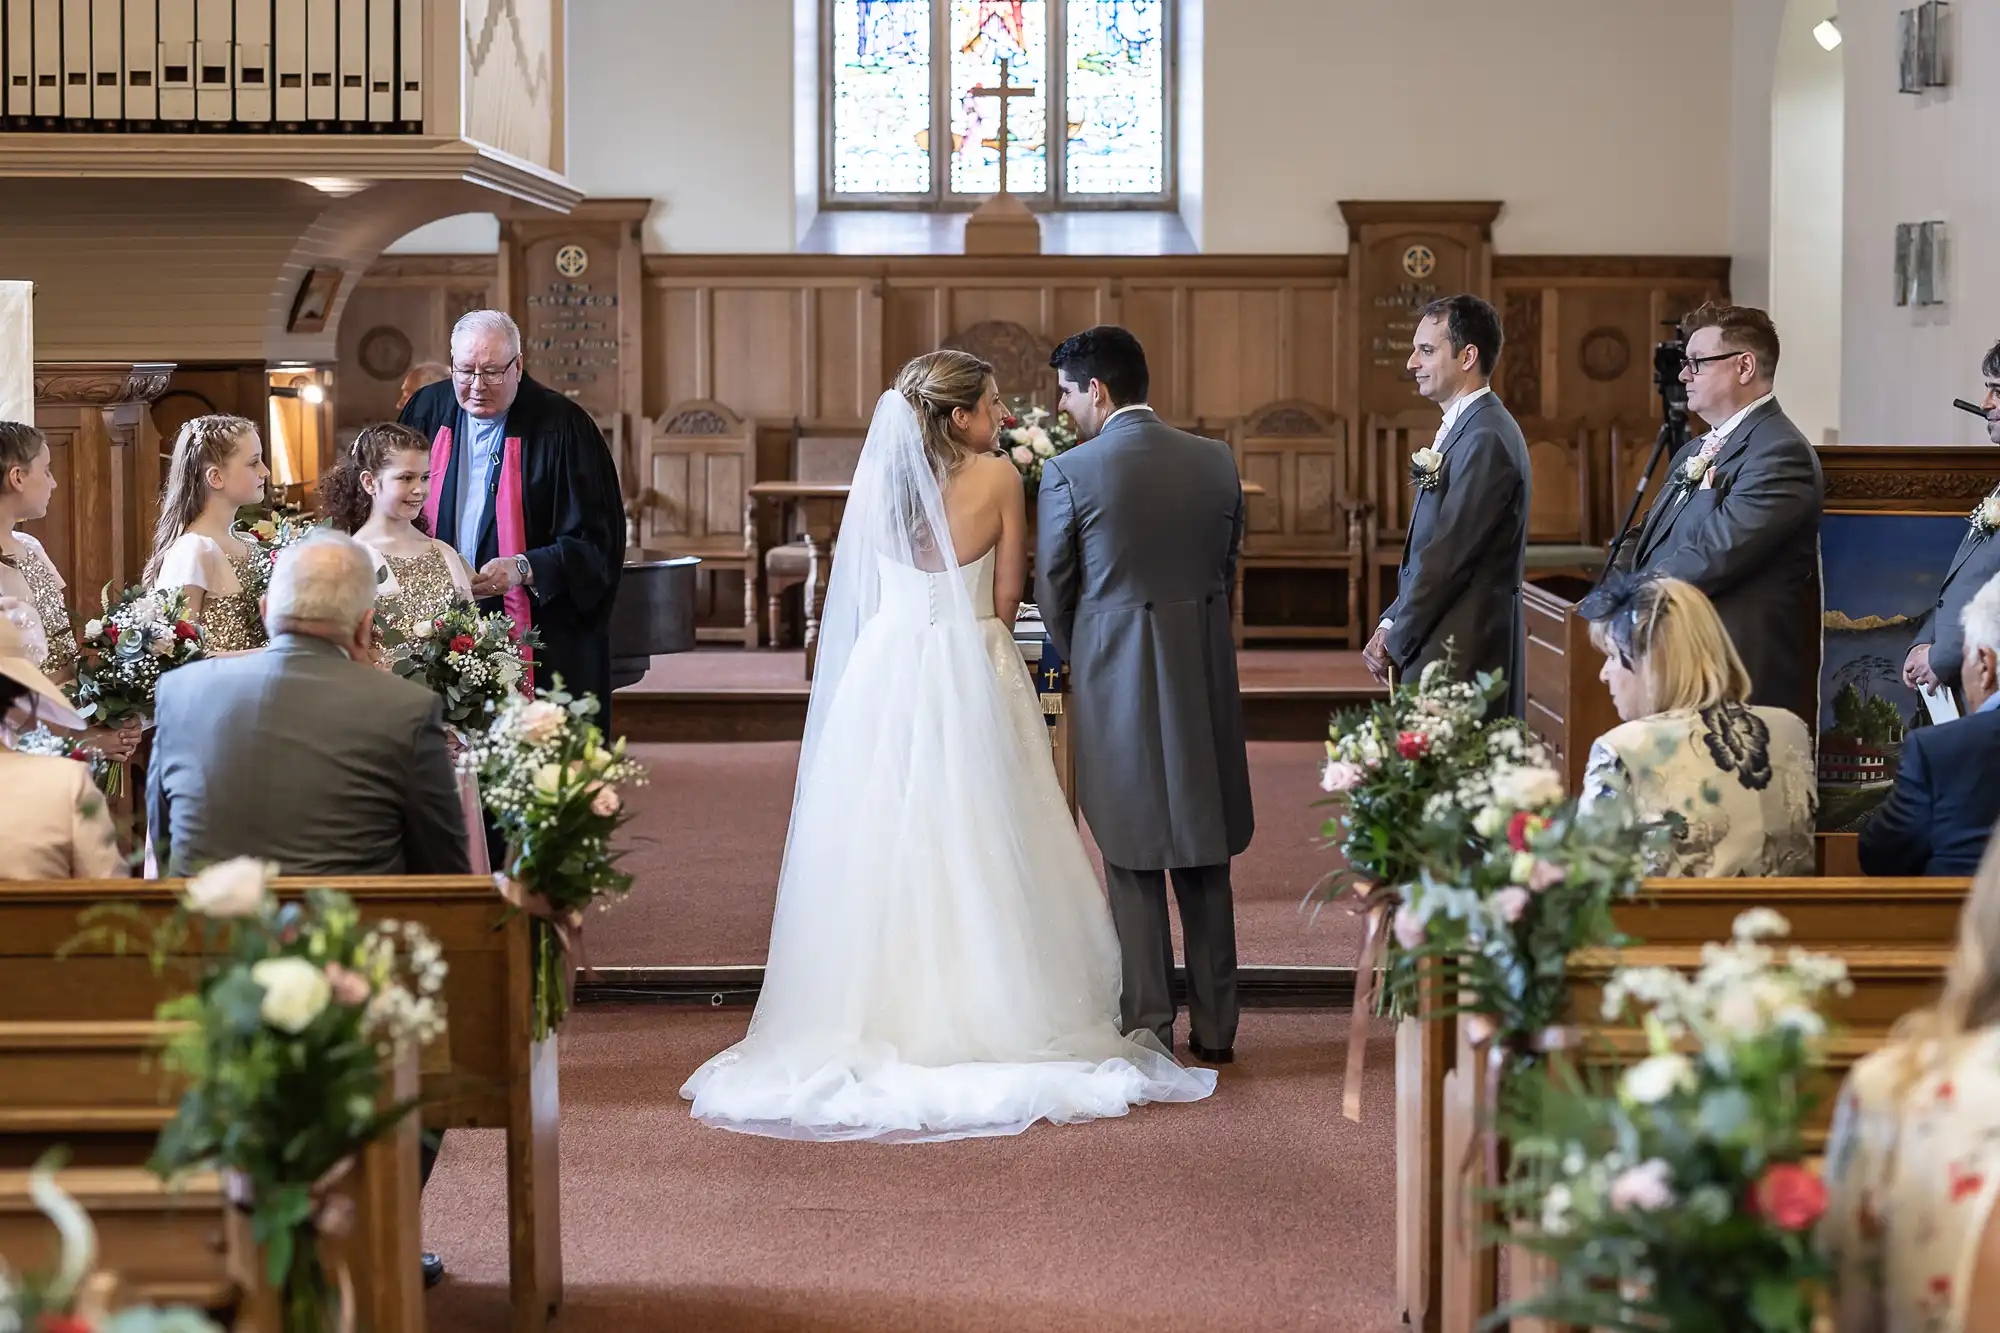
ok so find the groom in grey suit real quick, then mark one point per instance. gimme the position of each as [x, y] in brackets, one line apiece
[1466, 551]
[1936, 657]
[1738, 514]
[1135, 558]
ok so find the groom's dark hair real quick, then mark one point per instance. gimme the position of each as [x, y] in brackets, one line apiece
[1110, 355]
[1467, 319]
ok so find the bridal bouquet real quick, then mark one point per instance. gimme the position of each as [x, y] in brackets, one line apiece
[75, 1298]
[474, 662]
[1681, 1198]
[282, 1048]
[270, 536]
[551, 784]
[122, 654]
[1032, 434]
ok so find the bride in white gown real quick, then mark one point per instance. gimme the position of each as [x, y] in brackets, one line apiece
[942, 962]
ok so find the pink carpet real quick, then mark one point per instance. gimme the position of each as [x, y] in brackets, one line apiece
[1258, 1209]
[708, 837]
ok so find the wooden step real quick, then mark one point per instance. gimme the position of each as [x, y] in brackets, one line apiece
[164, 1243]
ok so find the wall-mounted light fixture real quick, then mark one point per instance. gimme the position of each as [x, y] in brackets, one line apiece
[1827, 34]
[1921, 57]
[1920, 263]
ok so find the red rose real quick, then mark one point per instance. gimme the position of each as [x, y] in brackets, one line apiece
[61, 1323]
[462, 644]
[1790, 1195]
[1412, 744]
[184, 629]
[1523, 826]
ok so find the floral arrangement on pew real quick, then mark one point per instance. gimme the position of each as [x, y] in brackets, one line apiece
[473, 662]
[1406, 774]
[282, 1046]
[1500, 931]
[1682, 1198]
[551, 784]
[1031, 434]
[76, 1297]
[122, 654]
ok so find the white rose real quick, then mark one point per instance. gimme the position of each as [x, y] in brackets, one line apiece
[1522, 868]
[1023, 456]
[93, 629]
[1039, 441]
[541, 722]
[1655, 1077]
[426, 630]
[295, 992]
[1489, 821]
[548, 779]
[1341, 776]
[1694, 469]
[163, 646]
[507, 670]
[1526, 786]
[1989, 512]
[229, 888]
[1427, 459]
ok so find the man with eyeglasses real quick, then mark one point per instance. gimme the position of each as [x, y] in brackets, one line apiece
[1936, 657]
[1738, 514]
[524, 486]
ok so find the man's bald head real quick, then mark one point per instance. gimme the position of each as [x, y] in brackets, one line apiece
[324, 586]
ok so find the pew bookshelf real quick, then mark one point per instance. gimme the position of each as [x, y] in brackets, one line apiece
[491, 1073]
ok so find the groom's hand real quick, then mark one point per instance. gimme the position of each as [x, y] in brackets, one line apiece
[1376, 656]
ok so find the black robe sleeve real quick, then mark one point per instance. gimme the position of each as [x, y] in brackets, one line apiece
[578, 549]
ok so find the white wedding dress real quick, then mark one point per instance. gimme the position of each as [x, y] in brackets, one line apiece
[942, 963]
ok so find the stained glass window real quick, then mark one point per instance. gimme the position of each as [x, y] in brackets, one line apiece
[881, 100]
[913, 115]
[1116, 85]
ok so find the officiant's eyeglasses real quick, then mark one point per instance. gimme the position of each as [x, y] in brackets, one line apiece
[1693, 364]
[489, 374]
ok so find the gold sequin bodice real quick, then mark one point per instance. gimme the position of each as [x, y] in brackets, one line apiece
[424, 589]
[231, 622]
[46, 586]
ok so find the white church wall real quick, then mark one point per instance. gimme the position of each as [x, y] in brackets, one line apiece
[1934, 157]
[1605, 126]
[1754, 57]
[1806, 137]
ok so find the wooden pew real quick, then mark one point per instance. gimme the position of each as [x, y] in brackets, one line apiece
[490, 1074]
[1897, 937]
[97, 1088]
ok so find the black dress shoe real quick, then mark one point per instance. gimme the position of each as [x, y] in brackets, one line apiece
[1224, 1056]
[433, 1270]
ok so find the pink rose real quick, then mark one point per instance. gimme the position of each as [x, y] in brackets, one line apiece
[1409, 927]
[1647, 1187]
[1340, 775]
[348, 986]
[1512, 902]
[1545, 875]
[605, 803]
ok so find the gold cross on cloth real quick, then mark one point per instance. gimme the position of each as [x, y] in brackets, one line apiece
[1006, 92]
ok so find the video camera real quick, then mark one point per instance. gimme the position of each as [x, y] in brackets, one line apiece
[1668, 359]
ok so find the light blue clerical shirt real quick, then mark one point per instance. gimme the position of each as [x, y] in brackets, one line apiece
[475, 481]
[1992, 702]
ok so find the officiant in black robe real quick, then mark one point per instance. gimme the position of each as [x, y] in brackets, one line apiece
[524, 486]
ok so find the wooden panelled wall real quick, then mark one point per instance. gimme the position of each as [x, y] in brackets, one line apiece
[817, 339]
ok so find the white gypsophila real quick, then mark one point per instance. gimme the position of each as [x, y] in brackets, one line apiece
[1526, 787]
[1556, 1210]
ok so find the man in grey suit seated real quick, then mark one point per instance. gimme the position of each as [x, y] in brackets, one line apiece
[1135, 556]
[1738, 514]
[1936, 658]
[1459, 588]
[305, 753]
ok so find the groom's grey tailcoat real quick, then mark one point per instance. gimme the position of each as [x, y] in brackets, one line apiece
[1135, 559]
[1976, 561]
[1750, 541]
[1466, 554]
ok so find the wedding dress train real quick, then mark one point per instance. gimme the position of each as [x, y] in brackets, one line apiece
[942, 963]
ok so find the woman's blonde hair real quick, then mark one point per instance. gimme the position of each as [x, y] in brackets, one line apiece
[1971, 996]
[1668, 633]
[933, 385]
[204, 442]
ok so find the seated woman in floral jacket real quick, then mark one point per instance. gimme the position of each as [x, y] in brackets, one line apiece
[1735, 783]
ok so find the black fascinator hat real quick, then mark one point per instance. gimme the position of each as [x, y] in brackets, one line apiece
[1622, 613]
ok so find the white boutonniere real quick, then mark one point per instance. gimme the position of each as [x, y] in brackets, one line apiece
[1694, 471]
[1425, 466]
[1985, 516]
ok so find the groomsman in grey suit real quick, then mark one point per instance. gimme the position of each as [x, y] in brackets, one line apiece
[1467, 547]
[1135, 558]
[1738, 514]
[1936, 656]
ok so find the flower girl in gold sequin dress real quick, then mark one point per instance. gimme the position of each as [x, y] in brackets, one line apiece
[377, 492]
[217, 468]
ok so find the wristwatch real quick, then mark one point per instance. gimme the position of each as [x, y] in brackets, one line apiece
[527, 571]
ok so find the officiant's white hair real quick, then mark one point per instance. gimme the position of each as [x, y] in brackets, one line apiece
[1981, 618]
[488, 321]
[325, 584]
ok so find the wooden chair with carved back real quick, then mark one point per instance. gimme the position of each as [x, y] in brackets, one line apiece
[690, 497]
[1562, 518]
[1309, 517]
[819, 453]
[1385, 485]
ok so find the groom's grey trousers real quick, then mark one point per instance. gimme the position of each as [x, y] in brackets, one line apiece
[1208, 931]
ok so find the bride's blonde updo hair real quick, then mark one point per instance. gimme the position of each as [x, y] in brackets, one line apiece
[933, 385]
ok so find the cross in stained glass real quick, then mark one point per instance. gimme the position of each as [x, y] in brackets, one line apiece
[1005, 91]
